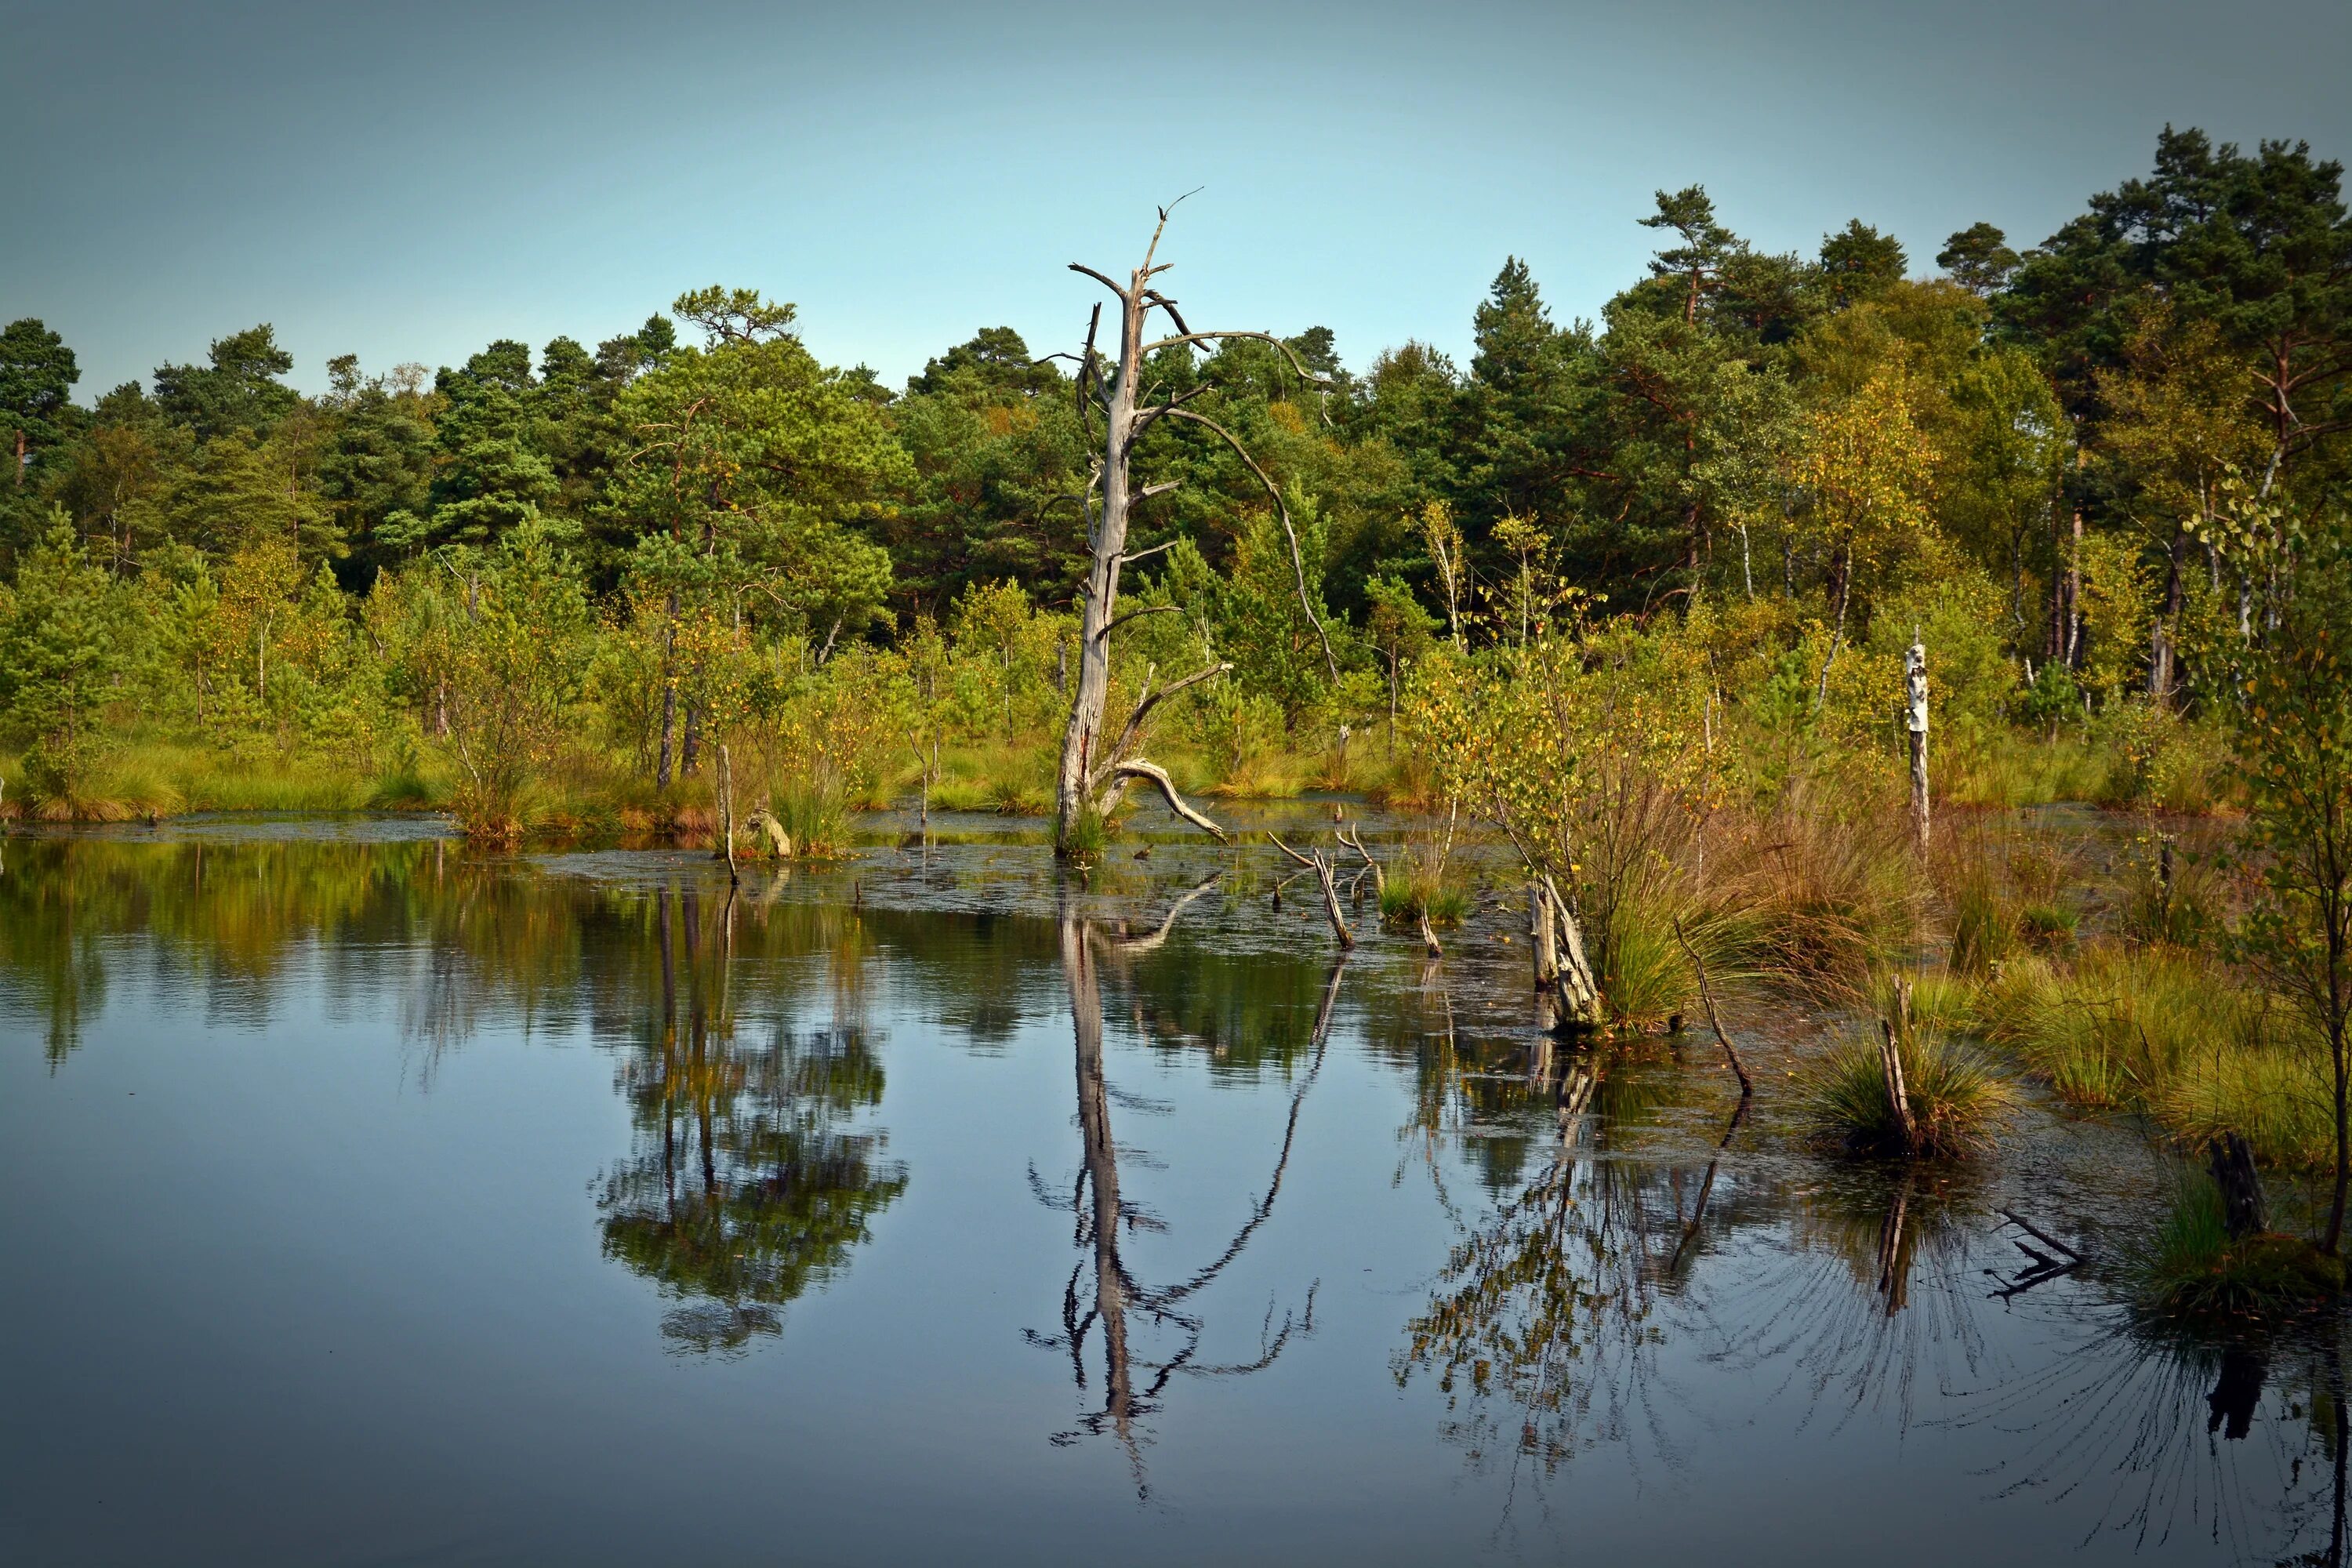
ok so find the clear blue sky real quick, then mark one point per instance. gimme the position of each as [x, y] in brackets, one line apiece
[408, 182]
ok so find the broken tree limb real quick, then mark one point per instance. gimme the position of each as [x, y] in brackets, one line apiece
[2043, 1237]
[1898, 1094]
[1355, 841]
[1706, 999]
[1322, 869]
[1137, 768]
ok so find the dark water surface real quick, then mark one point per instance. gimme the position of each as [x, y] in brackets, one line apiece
[369, 1202]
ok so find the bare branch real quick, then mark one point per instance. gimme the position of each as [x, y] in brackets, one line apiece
[1153, 772]
[1153, 248]
[1707, 995]
[1130, 560]
[1356, 841]
[1322, 869]
[1148, 416]
[1165, 304]
[1275, 840]
[1145, 493]
[1288, 352]
[1081, 267]
[1297, 561]
[1133, 731]
[1112, 626]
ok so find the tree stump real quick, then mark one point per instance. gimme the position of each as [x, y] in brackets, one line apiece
[2232, 1161]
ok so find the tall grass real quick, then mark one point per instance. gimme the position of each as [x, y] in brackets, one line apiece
[1956, 1100]
[2173, 1033]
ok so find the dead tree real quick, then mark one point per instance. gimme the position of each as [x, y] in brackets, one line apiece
[1578, 992]
[2232, 1161]
[1314, 860]
[1915, 724]
[1097, 767]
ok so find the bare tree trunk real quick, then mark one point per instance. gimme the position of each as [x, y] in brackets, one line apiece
[727, 807]
[1097, 767]
[1914, 721]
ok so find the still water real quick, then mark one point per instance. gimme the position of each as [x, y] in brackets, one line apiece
[371, 1202]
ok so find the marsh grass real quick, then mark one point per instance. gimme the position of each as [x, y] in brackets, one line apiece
[1829, 899]
[2014, 767]
[1957, 1099]
[2187, 1265]
[814, 813]
[1087, 836]
[2170, 1032]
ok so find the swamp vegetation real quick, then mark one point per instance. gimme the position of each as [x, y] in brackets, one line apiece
[1817, 809]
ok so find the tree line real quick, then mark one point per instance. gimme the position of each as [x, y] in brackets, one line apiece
[2108, 446]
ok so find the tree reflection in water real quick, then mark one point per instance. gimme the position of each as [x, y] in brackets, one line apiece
[1145, 1336]
[2169, 1429]
[1543, 1328]
[750, 1179]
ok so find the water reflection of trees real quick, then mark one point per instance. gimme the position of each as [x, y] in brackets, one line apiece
[1143, 1336]
[1543, 1328]
[2164, 1429]
[752, 1175]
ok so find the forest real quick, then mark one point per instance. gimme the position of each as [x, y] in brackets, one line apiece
[1635, 595]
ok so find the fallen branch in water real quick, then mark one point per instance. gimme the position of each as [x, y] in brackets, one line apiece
[1706, 997]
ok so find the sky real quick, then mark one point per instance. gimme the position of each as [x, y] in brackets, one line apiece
[410, 181]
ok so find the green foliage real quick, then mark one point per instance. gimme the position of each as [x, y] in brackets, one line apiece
[63, 641]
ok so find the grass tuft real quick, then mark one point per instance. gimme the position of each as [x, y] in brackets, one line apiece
[1956, 1099]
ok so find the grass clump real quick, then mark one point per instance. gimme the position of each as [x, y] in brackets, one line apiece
[1087, 836]
[2189, 1267]
[1956, 1099]
[813, 812]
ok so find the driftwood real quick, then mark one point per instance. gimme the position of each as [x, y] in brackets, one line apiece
[1321, 867]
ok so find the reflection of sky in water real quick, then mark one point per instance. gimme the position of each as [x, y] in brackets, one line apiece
[371, 1201]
